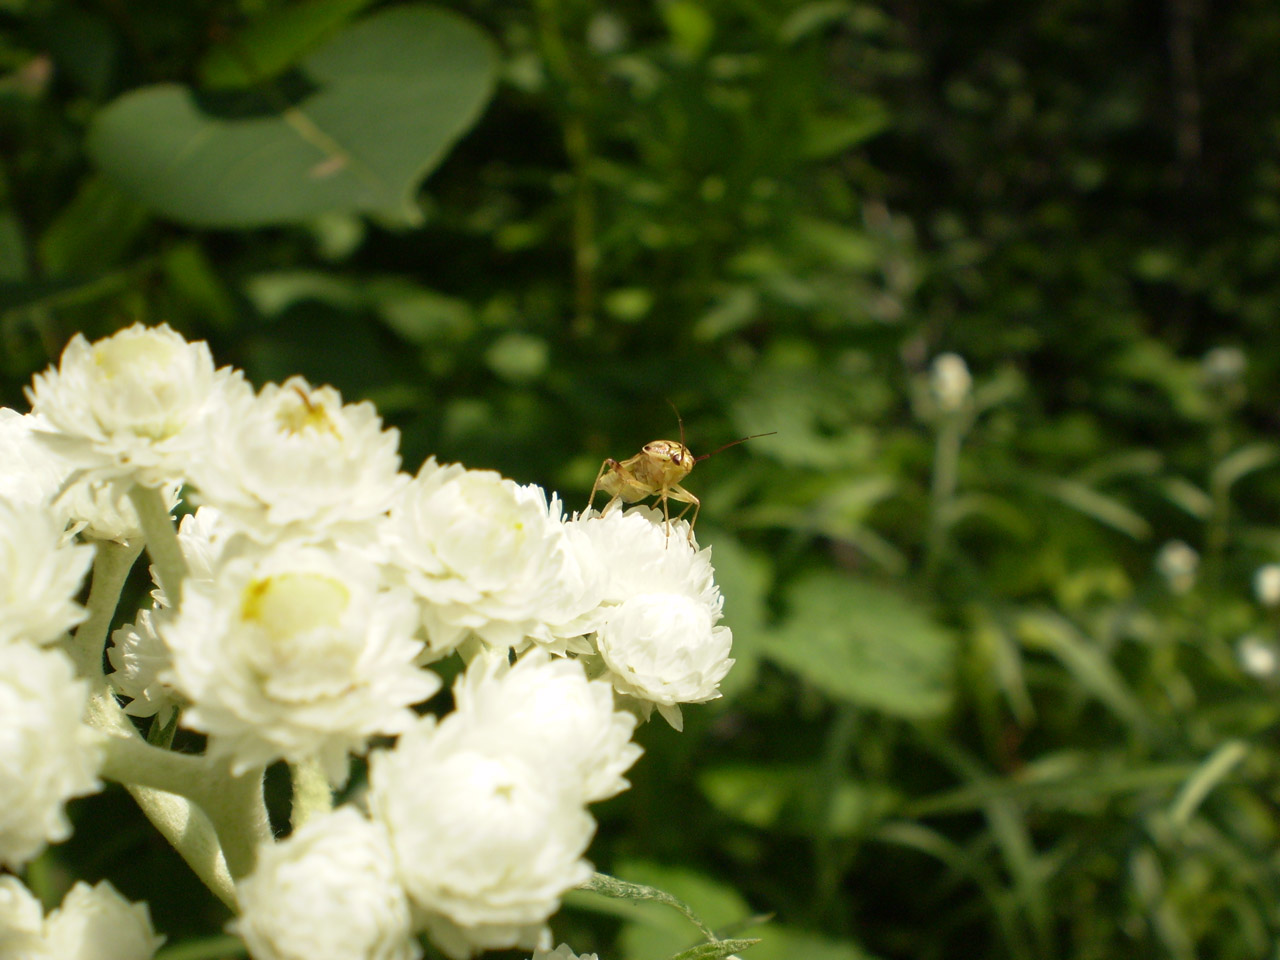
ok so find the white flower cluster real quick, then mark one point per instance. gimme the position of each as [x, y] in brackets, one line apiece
[320, 584]
[93, 923]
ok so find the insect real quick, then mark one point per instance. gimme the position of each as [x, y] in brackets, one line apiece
[656, 471]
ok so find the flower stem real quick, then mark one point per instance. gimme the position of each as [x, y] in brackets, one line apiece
[111, 566]
[946, 463]
[162, 540]
[311, 793]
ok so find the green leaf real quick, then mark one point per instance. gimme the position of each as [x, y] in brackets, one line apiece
[714, 951]
[780, 942]
[608, 886]
[1240, 463]
[380, 105]
[744, 577]
[864, 643]
[1102, 508]
[92, 232]
[826, 135]
[779, 797]
[274, 42]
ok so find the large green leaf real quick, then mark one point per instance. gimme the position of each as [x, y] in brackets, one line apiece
[865, 644]
[373, 111]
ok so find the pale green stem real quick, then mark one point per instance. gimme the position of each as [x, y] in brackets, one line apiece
[311, 793]
[162, 540]
[946, 465]
[191, 833]
[164, 784]
[239, 815]
[111, 565]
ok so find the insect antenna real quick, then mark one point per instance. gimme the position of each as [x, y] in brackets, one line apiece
[732, 443]
[679, 420]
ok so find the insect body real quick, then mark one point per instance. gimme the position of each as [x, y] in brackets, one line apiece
[656, 471]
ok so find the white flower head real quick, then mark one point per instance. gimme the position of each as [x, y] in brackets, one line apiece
[950, 381]
[486, 844]
[134, 404]
[32, 474]
[139, 657]
[1224, 366]
[547, 711]
[40, 575]
[97, 923]
[1266, 584]
[658, 635]
[21, 922]
[664, 649]
[328, 892]
[1258, 657]
[1178, 563]
[35, 475]
[489, 557]
[295, 653]
[294, 461]
[47, 755]
[635, 555]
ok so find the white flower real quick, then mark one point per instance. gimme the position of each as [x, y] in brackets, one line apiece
[295, 654]
[635, 556]
[47, 755]
[21, 922]
[96, 923]
[1178, 564]
[101, 509]
[328, 892]
[486, 844]
[562, 952]
[293, 461]
[139, 657]
[1223, 366]
[40, 576]
[1258, 657]
[32, 474]
[549, 713]
[1266, 584]
[134, 404]
[950, 381]
[663, 648]
[658, 635]
[491, 558]
[35, 475]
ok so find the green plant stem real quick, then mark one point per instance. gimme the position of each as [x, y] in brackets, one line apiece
[946, 465]
[162, 540]
[111, 565]
[239, 815]
[835, 754]
[311, 793]
[164, 784]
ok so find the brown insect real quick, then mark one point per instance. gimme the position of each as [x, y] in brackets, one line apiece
[656, 471]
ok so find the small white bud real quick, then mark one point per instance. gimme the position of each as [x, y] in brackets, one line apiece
[950, 381]
[1223, 366]
[1257, 657]
[1266, 584]
[1178, 564]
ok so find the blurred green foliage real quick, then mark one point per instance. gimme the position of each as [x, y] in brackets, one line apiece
[971, 716]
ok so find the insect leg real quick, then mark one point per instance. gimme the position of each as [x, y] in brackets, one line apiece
[677, 492]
